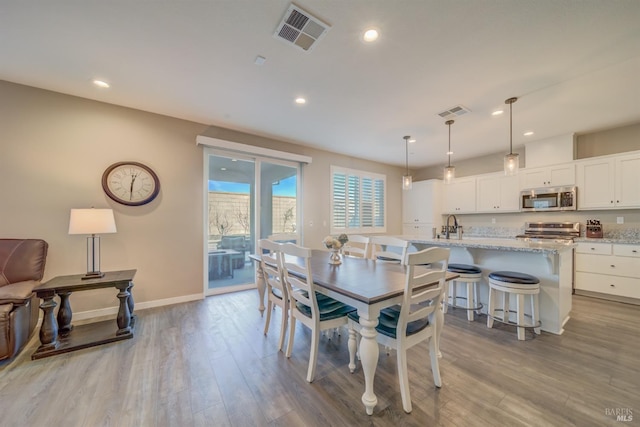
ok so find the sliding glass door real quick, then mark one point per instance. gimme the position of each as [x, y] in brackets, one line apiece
[248, 198]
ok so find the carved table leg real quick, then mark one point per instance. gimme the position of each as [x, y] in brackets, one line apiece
[261, 287]
[124, 315]
[131, 303]
[369, 353]
[64, 313]
[49, 328]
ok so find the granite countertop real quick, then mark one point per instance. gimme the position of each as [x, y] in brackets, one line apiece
[622, 241]
[494, 243]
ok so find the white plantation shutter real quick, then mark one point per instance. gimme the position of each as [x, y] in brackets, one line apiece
[357, 201]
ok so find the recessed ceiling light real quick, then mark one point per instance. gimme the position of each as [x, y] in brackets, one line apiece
[101, 83]
[497, 113]
[412, 141]
[370, 35]
[528, 133]
[449, 153]
[301, 100]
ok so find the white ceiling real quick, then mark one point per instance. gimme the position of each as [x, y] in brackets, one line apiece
[574, 64]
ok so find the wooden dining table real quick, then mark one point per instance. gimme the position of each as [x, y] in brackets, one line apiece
[366, 285]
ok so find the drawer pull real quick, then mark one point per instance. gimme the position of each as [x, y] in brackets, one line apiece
[634, 251]
[593, 249]
[613, 266]
[612, 285]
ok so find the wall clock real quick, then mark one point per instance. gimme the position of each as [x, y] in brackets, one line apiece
[130, 183]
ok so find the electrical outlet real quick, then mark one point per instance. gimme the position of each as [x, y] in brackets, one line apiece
[620, 220]
[493, 220]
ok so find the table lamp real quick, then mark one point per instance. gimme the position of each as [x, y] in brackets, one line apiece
[92, 221]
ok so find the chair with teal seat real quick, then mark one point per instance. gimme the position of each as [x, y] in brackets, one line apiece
[277, 295]
[414, 320]
[317, 312]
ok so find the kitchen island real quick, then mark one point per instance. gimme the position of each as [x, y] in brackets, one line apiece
[551, 263]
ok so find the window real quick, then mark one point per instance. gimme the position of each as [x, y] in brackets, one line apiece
[357, 201]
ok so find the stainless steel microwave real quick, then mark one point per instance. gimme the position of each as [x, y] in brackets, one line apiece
[549, 199]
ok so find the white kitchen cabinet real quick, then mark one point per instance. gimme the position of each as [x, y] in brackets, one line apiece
[460, 196]
[627, 181]
[610, 270]
[549, 176]
[497, 193]
[422, 207]
[611, 182]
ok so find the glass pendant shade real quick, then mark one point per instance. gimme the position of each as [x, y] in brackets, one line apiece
[511, 160]
[511, 164]
[407, 182]
[449, 174]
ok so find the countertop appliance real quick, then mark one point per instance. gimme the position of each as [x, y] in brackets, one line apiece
[549, 199]
[551, 232]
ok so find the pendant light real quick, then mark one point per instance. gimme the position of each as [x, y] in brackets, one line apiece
[511, 160]
[449, 171]
[407, 181]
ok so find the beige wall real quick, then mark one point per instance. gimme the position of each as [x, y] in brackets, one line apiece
[53, 151]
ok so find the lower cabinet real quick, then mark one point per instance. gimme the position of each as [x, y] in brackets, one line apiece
[608, 269]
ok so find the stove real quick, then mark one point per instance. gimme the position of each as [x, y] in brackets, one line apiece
[550, 232]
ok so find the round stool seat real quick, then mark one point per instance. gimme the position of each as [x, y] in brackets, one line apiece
[514, 277]
[463, 269]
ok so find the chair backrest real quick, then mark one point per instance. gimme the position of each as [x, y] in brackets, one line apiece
[22, 260]
[361, 248]
[296, 272]
[420, 303]
[388, 248]
[270, 262]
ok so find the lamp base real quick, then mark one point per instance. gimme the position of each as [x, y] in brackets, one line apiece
[93, 275]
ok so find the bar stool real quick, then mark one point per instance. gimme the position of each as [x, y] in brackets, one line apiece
[470, 276]
[519, 284]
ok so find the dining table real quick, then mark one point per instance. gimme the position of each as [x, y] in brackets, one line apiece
[367, 285]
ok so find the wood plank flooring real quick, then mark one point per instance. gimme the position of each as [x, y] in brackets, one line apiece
[207, 363]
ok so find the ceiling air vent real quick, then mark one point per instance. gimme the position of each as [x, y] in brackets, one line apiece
[300, 29]
[456, 111]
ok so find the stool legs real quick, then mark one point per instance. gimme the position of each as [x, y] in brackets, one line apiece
[490, 308]
[520, 314]
[535, 310]
[519, 320]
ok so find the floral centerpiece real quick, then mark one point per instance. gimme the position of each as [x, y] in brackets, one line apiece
[335, 244]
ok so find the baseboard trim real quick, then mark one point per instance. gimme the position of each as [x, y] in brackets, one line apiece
[109, 311]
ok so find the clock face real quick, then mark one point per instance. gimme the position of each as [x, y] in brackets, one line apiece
[130, 183]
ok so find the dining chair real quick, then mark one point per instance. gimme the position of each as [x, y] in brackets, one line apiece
[389, 249]
[316, 311]
[415, 320]
[277, 294]
[361, 249]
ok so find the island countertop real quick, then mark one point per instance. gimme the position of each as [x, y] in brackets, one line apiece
[491, 243]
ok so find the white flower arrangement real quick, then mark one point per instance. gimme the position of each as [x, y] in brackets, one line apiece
[335, 242]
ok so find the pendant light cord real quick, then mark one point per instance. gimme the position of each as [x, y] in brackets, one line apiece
[510, 101]
[449, 152]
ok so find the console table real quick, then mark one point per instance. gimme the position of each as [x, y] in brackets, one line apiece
[58, 335]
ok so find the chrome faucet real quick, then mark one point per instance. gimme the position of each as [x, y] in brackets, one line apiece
[446, 228]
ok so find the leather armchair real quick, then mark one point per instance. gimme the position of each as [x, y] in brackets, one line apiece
[22, 264]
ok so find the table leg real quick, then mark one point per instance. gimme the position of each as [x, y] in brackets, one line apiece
[64, 313]
[261, 287]
[49, 328]
[124, 315]
[131, 303]
[369, 353]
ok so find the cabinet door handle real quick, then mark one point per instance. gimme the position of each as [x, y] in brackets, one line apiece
[612, 285]
[613, 266]
[634, 251]
[593, 249]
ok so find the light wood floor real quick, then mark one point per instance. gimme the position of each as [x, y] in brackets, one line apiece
[208, 363]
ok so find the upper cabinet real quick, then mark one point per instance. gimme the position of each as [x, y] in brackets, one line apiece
[549, 176]
[422, 207]
[611, 182]
[460, 196]
[497, 193]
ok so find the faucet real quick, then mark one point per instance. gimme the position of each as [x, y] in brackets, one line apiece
[446, 228]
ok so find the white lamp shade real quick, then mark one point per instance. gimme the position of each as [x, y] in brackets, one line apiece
[407, 182]
[92, 221]
[511, 164]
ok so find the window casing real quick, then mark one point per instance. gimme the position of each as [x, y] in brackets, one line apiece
[358, 201]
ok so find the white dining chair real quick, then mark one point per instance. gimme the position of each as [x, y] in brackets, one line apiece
[415, 320]
[389, 249]
[357, 246]
[316, 311]
[277, 295]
